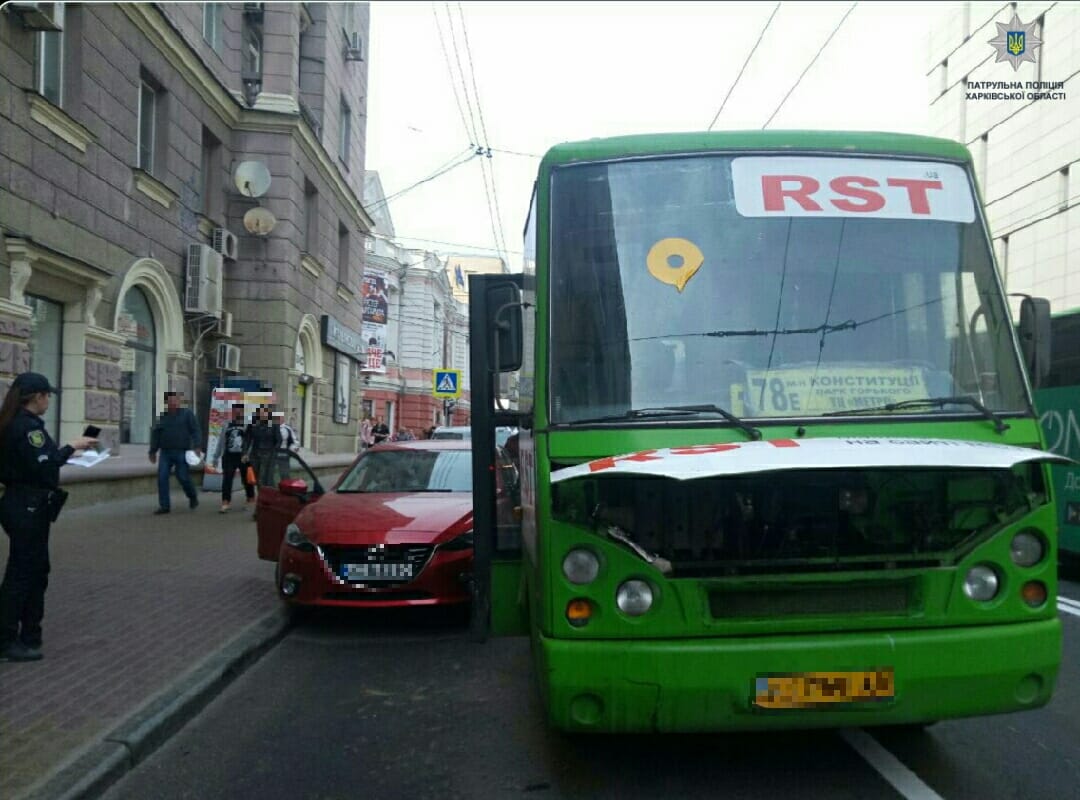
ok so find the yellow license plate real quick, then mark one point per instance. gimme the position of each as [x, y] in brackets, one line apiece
[816, 689]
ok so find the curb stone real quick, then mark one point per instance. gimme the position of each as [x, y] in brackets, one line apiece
[93, 770]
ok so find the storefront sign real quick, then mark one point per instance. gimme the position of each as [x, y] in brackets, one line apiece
[338, 337]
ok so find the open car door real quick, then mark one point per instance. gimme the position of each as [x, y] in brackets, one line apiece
[290, 485]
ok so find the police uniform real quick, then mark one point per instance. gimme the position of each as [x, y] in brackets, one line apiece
[30, 470]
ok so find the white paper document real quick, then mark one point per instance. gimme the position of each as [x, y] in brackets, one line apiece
[89, 458]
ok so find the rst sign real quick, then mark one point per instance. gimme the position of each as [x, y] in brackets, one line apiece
[880, 188]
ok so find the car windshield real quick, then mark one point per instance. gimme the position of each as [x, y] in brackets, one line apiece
[411, 471]
[773, 286]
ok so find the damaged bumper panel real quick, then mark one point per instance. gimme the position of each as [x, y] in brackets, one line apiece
[741, 458]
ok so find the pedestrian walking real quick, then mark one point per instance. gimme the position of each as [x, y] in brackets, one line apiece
[175, 432]
[263, 442]
[229, 452]
[30, 470]
[367, 438]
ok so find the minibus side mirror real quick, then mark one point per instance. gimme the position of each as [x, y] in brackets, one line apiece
[504, 310]
[1035, 337]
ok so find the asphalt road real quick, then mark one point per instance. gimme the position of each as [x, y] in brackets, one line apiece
[402, 705]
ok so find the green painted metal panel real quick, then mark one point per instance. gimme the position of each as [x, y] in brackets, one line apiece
[1059, 413]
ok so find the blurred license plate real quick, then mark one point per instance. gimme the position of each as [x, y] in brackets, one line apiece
[376, 572]
[816, 689]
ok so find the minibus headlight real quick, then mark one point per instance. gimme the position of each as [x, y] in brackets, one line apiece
[1027, 549]
[981, 583]
[581, 566]
[634, 598]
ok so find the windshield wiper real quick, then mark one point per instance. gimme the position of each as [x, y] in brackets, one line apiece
[678, 411]
[938, 402]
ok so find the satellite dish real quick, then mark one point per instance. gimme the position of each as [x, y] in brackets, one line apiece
[252, 178]
[259, 221]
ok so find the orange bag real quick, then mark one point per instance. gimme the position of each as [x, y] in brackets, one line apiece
[251, 481]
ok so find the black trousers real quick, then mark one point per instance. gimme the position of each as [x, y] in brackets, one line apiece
[22, 594]
[230, 463]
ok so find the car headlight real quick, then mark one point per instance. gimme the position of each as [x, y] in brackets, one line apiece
[981, 583]
[634, 598]
[1027, 549]
[294, 538]
[581, 566]
[462, 542]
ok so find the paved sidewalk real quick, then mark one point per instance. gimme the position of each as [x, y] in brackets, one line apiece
[135, 601]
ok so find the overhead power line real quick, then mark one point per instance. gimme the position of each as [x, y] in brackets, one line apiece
[461, 76]
[465, 157]
[820, 50]
[450, 74]
[743, 67]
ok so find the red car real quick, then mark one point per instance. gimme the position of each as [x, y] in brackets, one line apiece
[396, 529]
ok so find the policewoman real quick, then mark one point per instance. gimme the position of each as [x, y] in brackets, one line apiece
[30, 471]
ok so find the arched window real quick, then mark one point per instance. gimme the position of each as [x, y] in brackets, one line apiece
[138, 364]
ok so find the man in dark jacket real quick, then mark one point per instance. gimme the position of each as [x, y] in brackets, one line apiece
[175, 432]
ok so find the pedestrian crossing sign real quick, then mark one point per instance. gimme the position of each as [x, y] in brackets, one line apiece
[446, 383]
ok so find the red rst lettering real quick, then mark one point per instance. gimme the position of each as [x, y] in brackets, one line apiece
[872, 201]
[916, 190]
[773, 192]
[784, 443]
[609, 462]
[703, 449]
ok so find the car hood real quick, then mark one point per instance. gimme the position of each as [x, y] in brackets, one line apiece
[376, 518]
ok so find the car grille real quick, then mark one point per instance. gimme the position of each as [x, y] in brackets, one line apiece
[415, 554]
[383, 597]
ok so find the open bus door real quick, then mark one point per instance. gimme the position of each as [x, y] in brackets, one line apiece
[495, 348]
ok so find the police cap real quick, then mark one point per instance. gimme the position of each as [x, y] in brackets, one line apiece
[31, 383]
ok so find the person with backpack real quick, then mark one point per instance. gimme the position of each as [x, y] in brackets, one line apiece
[229, 452]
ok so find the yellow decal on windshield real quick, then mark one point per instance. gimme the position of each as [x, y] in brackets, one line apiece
[659, 261]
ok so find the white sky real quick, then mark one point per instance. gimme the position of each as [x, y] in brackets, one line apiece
[552, 72]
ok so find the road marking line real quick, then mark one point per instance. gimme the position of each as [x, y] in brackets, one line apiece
[1073, 610]
[888, 766]
[1069, 601]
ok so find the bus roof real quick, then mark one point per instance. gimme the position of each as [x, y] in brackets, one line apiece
[817, 141]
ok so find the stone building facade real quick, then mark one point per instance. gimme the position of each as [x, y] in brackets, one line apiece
[120, 138]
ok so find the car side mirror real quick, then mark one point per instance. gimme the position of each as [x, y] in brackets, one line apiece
[1035, 337]
[294, 487]
[504, 308]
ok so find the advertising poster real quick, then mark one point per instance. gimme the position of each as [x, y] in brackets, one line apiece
[376, 307]
[342, 389]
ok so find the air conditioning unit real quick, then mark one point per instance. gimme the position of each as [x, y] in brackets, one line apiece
[225, 243]
[353, 51]
[224, 325]
[202, 284]
[228, 357]
[35, 16]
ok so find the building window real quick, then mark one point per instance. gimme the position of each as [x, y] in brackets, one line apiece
[153, 129]
[344, 132]
[210, 183]
[343, 255]
[212, 25]
[251, 54]
[50, 60]
[46, 351]
[1040, 25]
[138, 367]
[311, 217]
